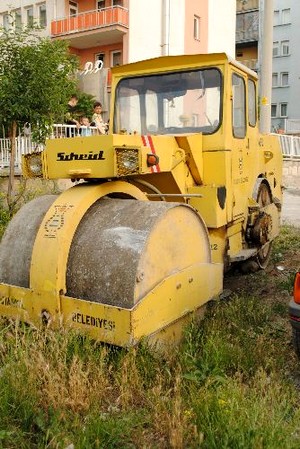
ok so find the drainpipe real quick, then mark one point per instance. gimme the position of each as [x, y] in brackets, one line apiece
[266, 66]
[165, 28]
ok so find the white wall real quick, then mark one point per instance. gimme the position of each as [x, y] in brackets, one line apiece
[147, 20]
[221, 26]
[144, 29]
[177, 26]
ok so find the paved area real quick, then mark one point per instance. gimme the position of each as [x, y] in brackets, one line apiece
[291, 207]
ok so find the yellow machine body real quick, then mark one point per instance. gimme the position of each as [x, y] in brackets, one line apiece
[181, 202]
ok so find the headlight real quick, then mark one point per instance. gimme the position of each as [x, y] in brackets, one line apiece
[127, 161]
[32, 165]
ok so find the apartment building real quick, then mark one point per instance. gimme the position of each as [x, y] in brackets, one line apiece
[285, 113]
[105, 33]
[16, 13]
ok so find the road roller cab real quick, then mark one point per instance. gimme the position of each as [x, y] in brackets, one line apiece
[183, 187]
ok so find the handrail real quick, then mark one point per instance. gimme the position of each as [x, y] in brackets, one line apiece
[25, 144]
[91, 11]
[290, 145]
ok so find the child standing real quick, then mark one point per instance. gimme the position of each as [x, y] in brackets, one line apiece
[97, 119]
[85, 129]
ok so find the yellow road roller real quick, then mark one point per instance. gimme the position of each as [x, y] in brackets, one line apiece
[183, 187]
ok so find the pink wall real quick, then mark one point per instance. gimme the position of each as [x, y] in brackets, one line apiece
[88, 54]
[200, 9]
[90, 5]
[86, 5]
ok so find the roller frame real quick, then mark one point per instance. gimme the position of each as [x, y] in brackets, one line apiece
[45, 302]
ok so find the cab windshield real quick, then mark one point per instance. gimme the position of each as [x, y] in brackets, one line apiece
[169, 103]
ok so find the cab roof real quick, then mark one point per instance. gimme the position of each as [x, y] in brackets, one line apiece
[170, 63]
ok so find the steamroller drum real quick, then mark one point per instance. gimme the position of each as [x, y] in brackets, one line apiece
[123, 248]
[18, 239]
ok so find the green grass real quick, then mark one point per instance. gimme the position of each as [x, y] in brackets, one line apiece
[232, 383]
[288, 242]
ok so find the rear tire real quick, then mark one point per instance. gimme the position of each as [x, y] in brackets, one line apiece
[263, 256]
[264, 198]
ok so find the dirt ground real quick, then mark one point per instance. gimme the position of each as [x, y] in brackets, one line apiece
[270, 283]
[291, 207]
[275, 283]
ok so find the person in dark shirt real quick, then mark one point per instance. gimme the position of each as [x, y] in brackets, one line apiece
[71, 116]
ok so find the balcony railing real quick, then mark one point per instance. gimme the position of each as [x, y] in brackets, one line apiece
[251, 35]
[250, 63]
[247, 26]
[90, 20]
[290, 146]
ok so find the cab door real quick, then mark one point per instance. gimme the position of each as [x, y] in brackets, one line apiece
[241, 155]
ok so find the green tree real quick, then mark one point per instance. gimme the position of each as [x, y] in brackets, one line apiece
[85, 103]
[37, 78]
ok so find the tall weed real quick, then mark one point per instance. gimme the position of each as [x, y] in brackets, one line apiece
[232, 383]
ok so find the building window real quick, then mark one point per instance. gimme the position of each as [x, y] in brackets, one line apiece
[273, 110]
[7, 21]
[284, 79]
[283, 109]
[18, 19]
[276, 48]
[276, 17]
[286, 16]
[285, 48]
[73, 8]
[42, 15]
[100, 4]
[100, 57]
[117, 2]
[12, 20]
[116, 58]
[197, 28]
[274, 79]
[29, 16]
[281, 48]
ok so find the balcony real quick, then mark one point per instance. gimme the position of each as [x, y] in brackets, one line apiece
[110, 24]
[250, 63]
[247, 27]
[243, 36]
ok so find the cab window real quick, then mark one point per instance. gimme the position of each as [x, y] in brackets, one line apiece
[170, 103]
[238, 106]
[251, 103]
